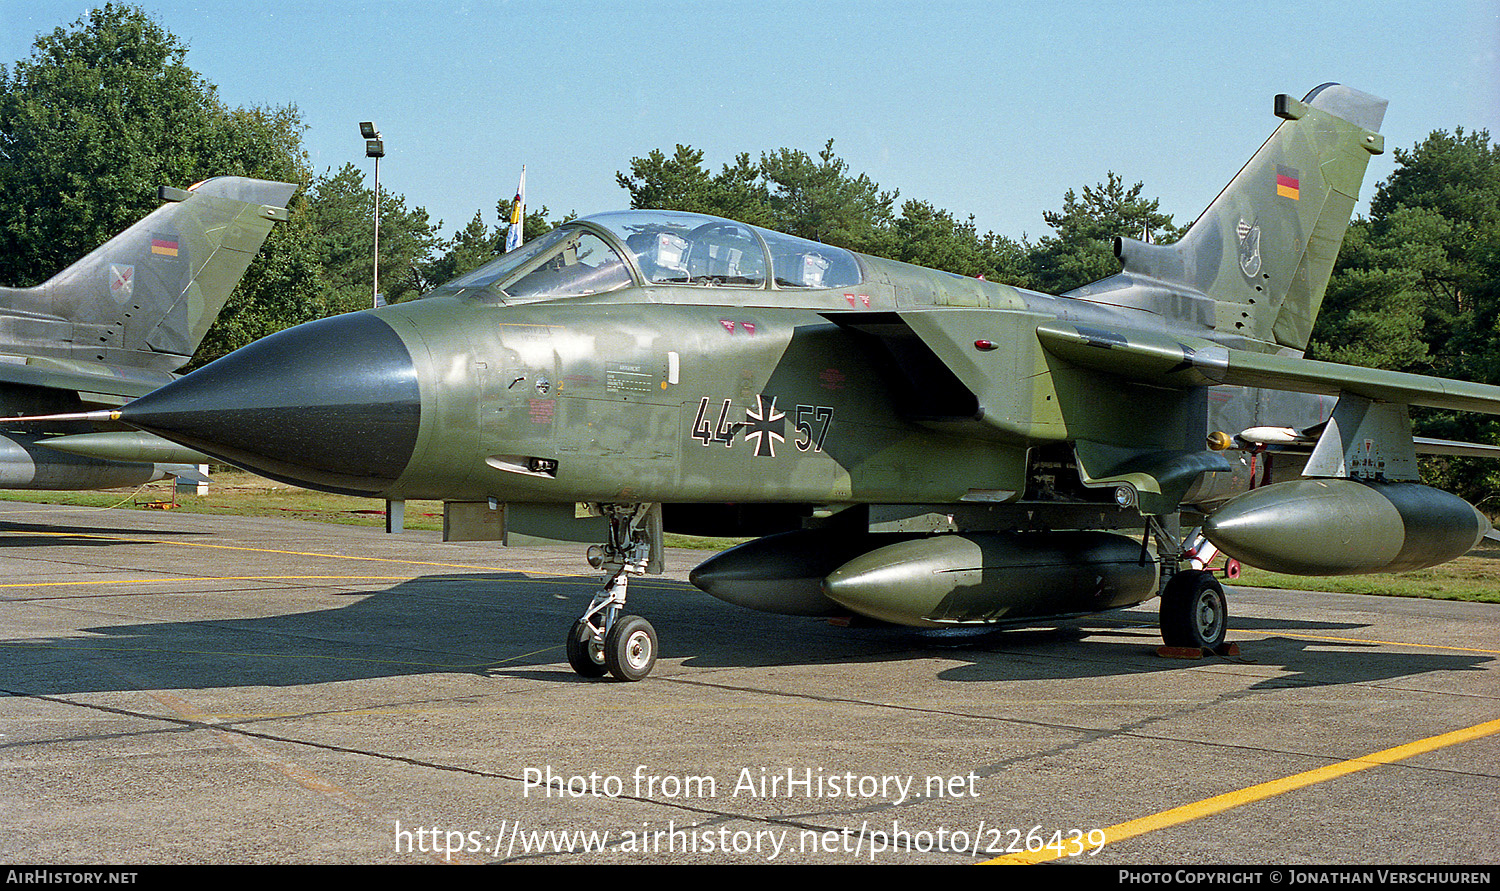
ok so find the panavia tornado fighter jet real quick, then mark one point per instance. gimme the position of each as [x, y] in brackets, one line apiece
[114, 326]
[913, 447]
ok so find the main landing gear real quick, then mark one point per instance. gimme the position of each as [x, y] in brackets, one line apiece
[1194, 611]
[605, 641]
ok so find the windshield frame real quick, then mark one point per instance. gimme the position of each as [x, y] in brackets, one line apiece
[623, 225]
[480, 281]
[612, 227]
[575, 233]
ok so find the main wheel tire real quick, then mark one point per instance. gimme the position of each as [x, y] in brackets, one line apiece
[1194, 612]
[630, 648]
[586, 657]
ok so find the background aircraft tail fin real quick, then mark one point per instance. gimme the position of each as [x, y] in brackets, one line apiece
[1257, 261]
[146, 297]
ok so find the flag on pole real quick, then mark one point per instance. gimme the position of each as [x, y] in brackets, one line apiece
[517, 215]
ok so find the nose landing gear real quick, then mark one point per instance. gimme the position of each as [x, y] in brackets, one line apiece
[605, 641]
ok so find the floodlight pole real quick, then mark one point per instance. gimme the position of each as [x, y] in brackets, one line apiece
[395, 511]
[374, 148]
[375, 281]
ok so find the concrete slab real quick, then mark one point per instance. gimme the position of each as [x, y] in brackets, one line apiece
[193, 689]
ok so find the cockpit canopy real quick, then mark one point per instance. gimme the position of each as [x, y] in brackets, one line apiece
[611, 251]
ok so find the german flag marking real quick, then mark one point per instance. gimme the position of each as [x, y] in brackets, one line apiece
[1288, 182]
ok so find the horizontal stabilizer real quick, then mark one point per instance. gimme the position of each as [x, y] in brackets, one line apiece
[189, 472]
[112, 380]
[1288, 439]
[1427, 446]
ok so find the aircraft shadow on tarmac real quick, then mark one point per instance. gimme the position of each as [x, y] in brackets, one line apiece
[511, 625]
[26, 535]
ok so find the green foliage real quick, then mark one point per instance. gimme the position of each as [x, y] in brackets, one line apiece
[930, 237]
[472, 246]
[1456, 174]
[681, 182]
[477, 244]
[818, 198]
[1373, 313]
[1081, 250]
[99, 116]
[1432, 244]
[340, 211]
[1417, 288]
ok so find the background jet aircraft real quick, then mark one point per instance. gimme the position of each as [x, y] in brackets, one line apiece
[926, 449]
[115, 325]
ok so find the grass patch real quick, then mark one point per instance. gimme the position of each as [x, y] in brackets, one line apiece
[1474, 577]
[700, 542]
[235, 493]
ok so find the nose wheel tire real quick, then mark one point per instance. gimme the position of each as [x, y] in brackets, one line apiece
[1194, 612]
[585, 655]
[630, 648]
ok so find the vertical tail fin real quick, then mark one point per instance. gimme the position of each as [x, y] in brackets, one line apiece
[1257, 261]
[146, 297]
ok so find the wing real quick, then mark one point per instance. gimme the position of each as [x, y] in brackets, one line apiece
[1180, 361]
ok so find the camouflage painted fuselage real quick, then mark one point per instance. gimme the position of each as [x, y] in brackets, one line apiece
[648, 395]
[659, 358]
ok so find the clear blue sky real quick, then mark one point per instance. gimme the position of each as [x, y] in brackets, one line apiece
[989, 109]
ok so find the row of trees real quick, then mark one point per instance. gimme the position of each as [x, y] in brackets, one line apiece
[1417, 288]
[818, 198]
[107, 109]
[104, 111]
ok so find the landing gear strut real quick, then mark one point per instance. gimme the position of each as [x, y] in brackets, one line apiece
[1194, 611]
[605, 641]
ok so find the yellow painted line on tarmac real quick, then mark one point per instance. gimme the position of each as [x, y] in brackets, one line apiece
[210, 578]
[196, 544]
[83, 645]
[1384, 643]
[591, 577]
[1220, 803]
[1240, 633]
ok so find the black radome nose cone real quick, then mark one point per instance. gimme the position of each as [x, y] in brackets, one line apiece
[330, 405]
